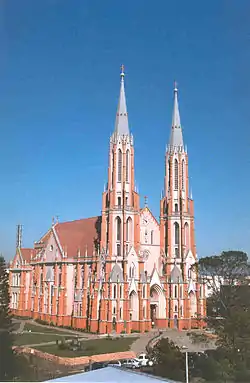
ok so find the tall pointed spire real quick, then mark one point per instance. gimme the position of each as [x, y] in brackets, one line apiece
[176, 139]
[121, 123]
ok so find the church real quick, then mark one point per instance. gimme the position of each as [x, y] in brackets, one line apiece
[124, 270]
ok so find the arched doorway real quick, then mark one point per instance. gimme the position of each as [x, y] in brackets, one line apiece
[156, 303]
[133, 305]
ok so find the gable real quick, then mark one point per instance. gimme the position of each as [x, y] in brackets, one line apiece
[132, 287]
[52, 251]
[190, 259]
[146, 214]
[155, 279]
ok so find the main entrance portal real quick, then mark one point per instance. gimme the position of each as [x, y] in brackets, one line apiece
[155, 303]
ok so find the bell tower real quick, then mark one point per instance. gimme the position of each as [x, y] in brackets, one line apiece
[120, 201]
[176, 206]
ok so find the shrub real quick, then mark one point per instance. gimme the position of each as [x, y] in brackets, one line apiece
[41, 321]
[63, 345]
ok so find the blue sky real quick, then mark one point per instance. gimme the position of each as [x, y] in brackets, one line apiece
[59, 86]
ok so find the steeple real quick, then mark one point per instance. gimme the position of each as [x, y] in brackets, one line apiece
[121, 123]
[176, 139]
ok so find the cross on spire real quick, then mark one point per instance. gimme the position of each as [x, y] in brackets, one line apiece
[122, 70]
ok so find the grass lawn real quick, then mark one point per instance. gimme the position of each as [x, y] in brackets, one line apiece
[33, 338]
[43, 329]
[92, 347]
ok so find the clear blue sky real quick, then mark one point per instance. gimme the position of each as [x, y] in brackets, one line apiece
[59, 86]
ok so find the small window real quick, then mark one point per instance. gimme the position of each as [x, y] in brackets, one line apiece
[130, 316]
[51, 248]
[118, 249]
[176, 207]
[176, 252]
[180, 291]
[126, 200]
[113, 310]
[120, 313]
[181, 310]
[175, 308]
[119, 201]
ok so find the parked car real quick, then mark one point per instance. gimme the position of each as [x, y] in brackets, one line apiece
[131, 363]
[114, 363]
[144, 360]
[95, 366]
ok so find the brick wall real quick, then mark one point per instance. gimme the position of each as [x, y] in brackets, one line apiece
[82, 360]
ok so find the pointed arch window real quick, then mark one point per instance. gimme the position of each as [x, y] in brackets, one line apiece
[152, 237]
[176, 233]
[118, 228]
[169, 173]
[183, 175]
[186, 235]
[176, 175]
[175, 291]
[114, 292]
[119, 165]
[144, 292]
[128, 229]
[132, 271]
[127, 165]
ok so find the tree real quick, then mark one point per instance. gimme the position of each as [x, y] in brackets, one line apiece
[229, 311]
[7, 358]
[230, 268]
[169, 361]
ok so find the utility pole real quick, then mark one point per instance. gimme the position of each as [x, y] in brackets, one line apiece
[186, 367]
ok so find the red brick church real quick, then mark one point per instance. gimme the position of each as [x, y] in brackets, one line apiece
[123, 270]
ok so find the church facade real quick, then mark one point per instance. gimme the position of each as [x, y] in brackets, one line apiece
[124, 270]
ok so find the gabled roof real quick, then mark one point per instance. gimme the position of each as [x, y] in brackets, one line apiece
[26, 254]
[79, 235]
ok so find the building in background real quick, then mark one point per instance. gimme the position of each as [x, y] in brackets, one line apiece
[123, 270]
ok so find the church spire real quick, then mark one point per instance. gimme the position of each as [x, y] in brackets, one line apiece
[121, 123]
[176, 139]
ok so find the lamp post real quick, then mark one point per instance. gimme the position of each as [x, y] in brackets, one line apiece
[186, 366]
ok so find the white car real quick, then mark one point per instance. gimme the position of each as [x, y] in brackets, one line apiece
[131, 363]
[144, 360]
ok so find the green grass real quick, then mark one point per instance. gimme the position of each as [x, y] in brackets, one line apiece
[92, 347]
[45, 330]
[33, 338]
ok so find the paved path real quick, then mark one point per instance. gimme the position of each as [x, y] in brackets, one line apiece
[140, 344]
